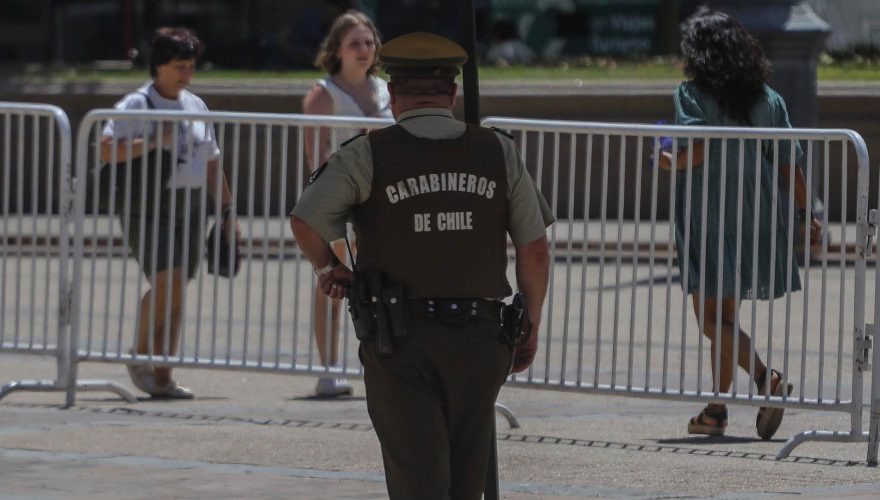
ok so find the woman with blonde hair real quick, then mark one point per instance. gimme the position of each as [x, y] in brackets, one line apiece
[349, 56]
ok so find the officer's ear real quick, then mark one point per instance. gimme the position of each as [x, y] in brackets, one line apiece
[392, 93]
[454, 95]
[392, 103]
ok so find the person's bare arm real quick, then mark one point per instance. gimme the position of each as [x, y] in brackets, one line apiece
[225, 196]
[138, 146]
[801, 202]
[138, 149]
[335, 283]
[532, 276]
[317, 102]
[697, 153]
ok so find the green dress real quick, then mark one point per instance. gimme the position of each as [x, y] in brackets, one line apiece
[698, 108]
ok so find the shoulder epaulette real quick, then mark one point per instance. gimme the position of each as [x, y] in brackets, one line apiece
[352, 139]
[505, 133]
[317, 173]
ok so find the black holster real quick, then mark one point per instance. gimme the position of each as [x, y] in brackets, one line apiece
[513, 318]
[378, 310]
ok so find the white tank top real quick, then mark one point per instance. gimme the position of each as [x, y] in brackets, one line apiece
[345, 105]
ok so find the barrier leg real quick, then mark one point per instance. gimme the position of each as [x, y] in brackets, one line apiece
[827, 436]
[873, 433]
[508, 415]
[106, 386]
[52, 386]
[28, 385]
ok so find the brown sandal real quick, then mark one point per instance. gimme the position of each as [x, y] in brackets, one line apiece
[699, 424]
[769, 419]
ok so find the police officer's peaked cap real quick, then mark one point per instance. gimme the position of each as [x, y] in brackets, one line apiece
[422, 55]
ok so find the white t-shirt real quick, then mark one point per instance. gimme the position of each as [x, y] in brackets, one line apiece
[192, 162]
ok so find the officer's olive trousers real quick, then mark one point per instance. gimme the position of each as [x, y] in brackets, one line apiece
[432, 406]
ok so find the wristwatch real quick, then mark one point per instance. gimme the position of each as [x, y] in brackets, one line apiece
[329, 267]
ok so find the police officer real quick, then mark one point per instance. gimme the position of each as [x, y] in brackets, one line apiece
[432, 201]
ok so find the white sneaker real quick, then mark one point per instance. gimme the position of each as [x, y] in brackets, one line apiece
[333, 387]
[142, 376]
[173, 391]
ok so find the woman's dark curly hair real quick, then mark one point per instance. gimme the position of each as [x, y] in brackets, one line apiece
[723, 59]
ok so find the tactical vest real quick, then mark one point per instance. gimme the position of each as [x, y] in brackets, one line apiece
[436, 218]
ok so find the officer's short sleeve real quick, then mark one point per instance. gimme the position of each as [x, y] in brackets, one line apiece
[335, 188]
[529, 213]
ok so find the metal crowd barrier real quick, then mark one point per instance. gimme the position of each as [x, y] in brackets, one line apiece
[618, 323]
[36, 206]
[261, 320]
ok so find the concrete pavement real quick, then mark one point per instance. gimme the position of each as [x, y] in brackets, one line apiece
[260, 436]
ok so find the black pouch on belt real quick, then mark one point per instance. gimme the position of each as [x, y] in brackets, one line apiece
[394, 298]
[376, 285]
[361, 310]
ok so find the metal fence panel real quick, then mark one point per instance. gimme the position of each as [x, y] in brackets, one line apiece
[34, 145]
[617, 320]
[263, 318]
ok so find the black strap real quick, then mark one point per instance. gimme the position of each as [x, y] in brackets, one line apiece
[150, 104]
[354, 267]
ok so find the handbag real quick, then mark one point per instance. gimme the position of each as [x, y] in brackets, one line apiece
[114, 179]
[227, 261]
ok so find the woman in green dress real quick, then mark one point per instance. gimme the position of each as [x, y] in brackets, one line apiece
[727, 86]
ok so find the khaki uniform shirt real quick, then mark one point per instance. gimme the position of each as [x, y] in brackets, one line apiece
[347, 178]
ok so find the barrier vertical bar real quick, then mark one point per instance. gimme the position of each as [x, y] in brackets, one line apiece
[19, 212]
[569, 255]
[50, 162]
[588, 172]
[685, 262]
[35, 210]
[236, 143]
[655, 198]
[5, 207]
[635, 264]
[621, 176]
[267, 176]
[601, 288]
[554, 205]
[791, 267]
[704, 214]
[807, 260]
[719, 292]
[283, 228]
[843, 216]
[673, 174]
[737, 282]
[756, 220]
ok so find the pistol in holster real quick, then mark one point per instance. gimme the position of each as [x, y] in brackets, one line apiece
[514, 321]
[377, 310]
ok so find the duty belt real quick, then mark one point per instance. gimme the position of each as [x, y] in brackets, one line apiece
[456, 310]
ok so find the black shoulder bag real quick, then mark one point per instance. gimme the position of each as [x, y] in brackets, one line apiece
[227, 261]
[145, 173]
